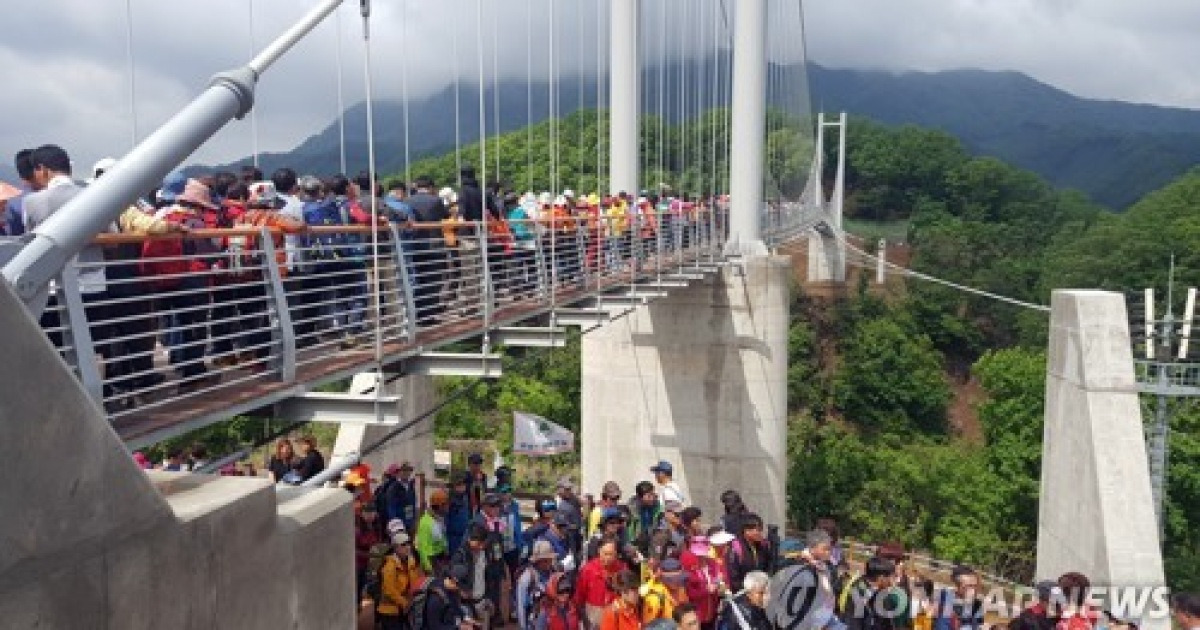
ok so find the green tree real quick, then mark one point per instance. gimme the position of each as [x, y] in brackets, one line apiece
[891, 380]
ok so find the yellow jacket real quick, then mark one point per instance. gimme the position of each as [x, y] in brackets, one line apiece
[657, 601]
[397, 579]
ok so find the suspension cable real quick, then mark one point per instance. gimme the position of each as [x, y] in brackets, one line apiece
[841, 235]
[341, 102]
[496, 99]
[130, 60]
[553, 100]
[372, 173]
[457, 114]
[529, 95]
[482, 102]
[601, 52]
[404, 94]
[254, 110]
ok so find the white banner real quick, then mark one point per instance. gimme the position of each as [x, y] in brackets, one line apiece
[535, 435]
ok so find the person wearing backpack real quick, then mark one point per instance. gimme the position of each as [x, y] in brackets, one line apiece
[624, 613]
[873, 604]
[179, 270]
[531, 586]
[438, 604]
[802, 594]
[557, 610]
[747, 610]
[400, 496]
[961, 608]
[750, 551]
[399, 576]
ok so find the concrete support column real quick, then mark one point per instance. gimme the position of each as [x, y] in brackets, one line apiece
[624, 112]
[417, 394]
[1096, 515]
[698, 379]
[749, 128]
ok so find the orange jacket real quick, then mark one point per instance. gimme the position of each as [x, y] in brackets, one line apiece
[621, 616]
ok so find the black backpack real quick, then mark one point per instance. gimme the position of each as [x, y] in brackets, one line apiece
[420, 604]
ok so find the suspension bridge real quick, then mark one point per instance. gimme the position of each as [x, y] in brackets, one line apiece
[683, 315]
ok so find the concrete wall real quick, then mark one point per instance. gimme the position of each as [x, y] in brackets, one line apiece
[698, 379]
[1096, 513]
[417, 394]
[88, 540]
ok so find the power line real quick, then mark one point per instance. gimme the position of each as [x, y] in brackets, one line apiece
[841, 235]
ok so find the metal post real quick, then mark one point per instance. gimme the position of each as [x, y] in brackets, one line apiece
[485, 277]
[749, 129]
[1158, 453]
[624, 97]
[410, 304]
[286, 333]
[881, 262]
[77, 334]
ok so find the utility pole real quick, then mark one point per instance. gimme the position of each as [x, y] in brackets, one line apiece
[1166, 372]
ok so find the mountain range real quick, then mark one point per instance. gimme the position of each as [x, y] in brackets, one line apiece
[1115, 152]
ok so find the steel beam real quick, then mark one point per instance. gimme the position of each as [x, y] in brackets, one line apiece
[529, 337]
[337, 408]
[454, 364]
[580, 316]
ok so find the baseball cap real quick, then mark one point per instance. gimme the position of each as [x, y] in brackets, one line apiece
[611, 513]
[562, 519]
[663, 467]
[549, 505]
[673, 506]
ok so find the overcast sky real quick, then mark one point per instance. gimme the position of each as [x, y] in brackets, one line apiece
[67, 78]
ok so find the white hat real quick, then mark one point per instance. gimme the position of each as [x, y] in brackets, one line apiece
[721, 538]
[569, 193]
[542, 550]
[100, 167]
[446, 193]
[545, 198]
[560, 200]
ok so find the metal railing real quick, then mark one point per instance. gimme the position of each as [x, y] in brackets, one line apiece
[186, 315]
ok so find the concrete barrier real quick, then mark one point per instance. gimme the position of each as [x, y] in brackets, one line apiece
[89, 540]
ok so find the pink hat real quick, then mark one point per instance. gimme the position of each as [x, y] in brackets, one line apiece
[196, 192]
[141, 460]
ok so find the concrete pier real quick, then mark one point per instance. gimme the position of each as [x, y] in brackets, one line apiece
[698, 379]
[1096, 513]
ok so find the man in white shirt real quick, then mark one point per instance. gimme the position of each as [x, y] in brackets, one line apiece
[52, 180]
[668, 490]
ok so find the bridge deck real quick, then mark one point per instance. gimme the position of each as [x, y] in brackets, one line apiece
[242, 344]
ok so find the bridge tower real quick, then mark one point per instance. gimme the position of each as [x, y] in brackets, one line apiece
[827, 252]
[699, 378]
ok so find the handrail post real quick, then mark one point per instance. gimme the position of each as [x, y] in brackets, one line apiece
[581, 247]
[78, 336]
[485, 276]
[539, 259]
[410, 304]
[285, 333]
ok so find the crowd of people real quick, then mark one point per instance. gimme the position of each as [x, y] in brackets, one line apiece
[464, 559]
[206, 299]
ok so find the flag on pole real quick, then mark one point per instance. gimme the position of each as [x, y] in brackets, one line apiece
[535, 435]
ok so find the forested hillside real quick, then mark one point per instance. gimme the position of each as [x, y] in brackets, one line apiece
[869, 438]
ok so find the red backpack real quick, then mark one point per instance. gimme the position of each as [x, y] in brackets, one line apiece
[167, 274]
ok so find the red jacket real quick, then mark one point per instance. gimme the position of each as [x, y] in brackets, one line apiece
[702, 572]
[592, 586]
